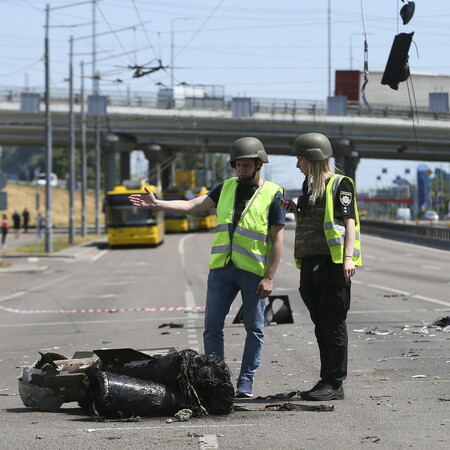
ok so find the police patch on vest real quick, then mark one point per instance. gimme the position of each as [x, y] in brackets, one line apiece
[345, 198]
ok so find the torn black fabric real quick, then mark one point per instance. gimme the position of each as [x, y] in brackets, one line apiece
[407, 12]
[397, 68]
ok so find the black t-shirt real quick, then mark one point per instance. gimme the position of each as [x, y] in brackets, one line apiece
[344, 201]
[244, 193]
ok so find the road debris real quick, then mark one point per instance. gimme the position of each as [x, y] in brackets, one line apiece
[443, 322]
[126, 383]
[183, 415]
[371, 439]
[171, 325]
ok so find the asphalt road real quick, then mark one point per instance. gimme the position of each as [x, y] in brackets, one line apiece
[397, 391]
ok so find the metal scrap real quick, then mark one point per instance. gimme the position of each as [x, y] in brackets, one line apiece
[125, 383]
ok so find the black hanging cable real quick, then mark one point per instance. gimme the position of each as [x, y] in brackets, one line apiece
[144, 29]
[410, 80]
[366, 63]
[412, 110]
[126, 52]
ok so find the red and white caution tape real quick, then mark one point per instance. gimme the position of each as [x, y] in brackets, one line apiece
[101, 310]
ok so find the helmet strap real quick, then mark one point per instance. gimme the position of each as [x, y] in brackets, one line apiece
[255, 176]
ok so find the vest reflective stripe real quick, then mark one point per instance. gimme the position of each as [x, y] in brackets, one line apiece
[252, 234]
[223, 227]
[335, 229]
[250, 244]
[261, 258]
[221, 249]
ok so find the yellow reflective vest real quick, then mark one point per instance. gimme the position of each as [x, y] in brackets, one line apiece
[250, 244]
[335, 229]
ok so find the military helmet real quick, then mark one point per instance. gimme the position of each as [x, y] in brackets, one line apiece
[248, 147]
[313, 146]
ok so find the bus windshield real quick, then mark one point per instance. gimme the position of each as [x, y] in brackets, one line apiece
[120, 212]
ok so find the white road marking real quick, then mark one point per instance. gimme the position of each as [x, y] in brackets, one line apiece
[89, 322]
[9, 297]
[39, 287]
[208, 441]
[431, 267]
[189, 298]
[98, 255]
[165, 427]
[410, 294]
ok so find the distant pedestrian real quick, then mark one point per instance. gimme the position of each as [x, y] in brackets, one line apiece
[40, 224]
[16, 223]
[5, 227]
[26, 219]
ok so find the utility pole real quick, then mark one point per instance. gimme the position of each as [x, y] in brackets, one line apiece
[48, 140]
[83, 155]
[71, 150]
[97, 123]
[329, 48]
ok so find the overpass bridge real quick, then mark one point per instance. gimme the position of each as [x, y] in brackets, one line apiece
[384, 133]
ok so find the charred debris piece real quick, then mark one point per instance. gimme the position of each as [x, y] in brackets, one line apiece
[124, 383]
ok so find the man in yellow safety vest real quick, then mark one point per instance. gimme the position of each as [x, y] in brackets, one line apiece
[245, 253]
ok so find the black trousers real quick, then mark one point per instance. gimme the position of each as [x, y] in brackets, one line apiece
[327, 297]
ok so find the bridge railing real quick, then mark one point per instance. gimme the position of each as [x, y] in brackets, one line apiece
[430, 235]
[289, 107]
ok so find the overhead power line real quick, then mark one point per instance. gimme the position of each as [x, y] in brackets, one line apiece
[144, 29]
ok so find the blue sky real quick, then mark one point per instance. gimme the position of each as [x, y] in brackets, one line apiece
[282, 170]
[270, 49]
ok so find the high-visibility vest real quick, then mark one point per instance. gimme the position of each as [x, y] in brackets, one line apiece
[249, 246]
[334, 229]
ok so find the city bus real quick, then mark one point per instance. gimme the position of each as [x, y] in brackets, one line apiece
[207, 220]
[177, 222]
[127, 224]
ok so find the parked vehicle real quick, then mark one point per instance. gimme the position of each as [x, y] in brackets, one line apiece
[41, 179]
[431, 215]
[403, 214]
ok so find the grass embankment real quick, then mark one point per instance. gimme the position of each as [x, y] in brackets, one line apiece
[24, 196]
[59, 243]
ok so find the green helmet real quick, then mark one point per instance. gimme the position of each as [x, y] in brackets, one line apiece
[313, 146]
[247, 147]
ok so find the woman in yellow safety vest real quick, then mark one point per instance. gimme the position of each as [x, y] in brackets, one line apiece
[327, 249]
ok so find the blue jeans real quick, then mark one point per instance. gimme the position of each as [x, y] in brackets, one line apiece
[223, 286]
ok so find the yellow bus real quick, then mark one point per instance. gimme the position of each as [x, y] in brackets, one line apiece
[176, 222]
[127, 224]
[206, 219]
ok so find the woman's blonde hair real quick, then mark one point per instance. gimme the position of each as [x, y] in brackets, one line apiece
[318, 174]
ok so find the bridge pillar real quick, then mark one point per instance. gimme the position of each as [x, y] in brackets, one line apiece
[110, 170]
[125, 171]
[160, 165]
[114, 144]
[346, 159]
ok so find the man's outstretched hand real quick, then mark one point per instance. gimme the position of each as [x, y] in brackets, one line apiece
[144, 200]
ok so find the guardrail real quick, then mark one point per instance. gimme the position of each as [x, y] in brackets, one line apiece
[433, 235]
[126, 97]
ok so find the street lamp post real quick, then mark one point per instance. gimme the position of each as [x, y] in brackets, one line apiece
[48, 141]
[71, 151]
[329, 48]
[48, 127]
